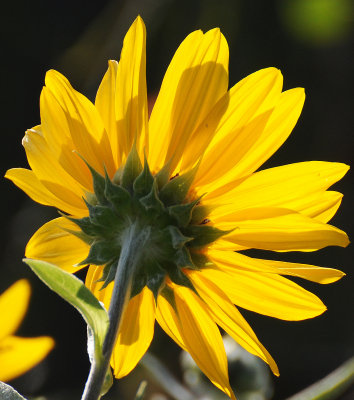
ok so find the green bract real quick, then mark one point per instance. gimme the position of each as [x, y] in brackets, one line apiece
[178, 230]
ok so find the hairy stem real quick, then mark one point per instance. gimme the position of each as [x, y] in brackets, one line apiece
[130, 255]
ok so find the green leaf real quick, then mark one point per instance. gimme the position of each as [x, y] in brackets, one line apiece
[9, 393]
[78, 295]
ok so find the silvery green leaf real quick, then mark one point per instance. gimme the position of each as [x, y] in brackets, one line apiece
[9, 393]
[78, 295]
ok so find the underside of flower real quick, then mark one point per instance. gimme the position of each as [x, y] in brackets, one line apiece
[178, 230]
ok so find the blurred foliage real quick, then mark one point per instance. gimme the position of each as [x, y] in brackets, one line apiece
[318, 22]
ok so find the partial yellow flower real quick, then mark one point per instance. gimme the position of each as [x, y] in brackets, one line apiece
[189, 175]
[18, 354]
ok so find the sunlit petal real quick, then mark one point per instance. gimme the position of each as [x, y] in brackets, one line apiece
[54, 243]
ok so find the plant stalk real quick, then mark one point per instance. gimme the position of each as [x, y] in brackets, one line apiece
[130, 255]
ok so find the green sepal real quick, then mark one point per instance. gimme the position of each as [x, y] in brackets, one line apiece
[156, 281]
[151, 200]
[106, 218]
[203, 234]
[178, 240]
[98, 182]
[163, 175]
[111, 273]
[139, 281]
[175, 191]
[131, 170]
[117, 196]
[183, 259]
[101, 252]
[182, 212]
[81, 235]
[200, 260]
[169, 295]
[199, 214]
[143, 183]
[105, 273]
[179, 278]
[86, 226]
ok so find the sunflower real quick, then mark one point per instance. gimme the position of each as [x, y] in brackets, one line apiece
[18, 354]
[188, 176]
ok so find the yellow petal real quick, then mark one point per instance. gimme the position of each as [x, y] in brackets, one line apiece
[94, 273]
[321, 206]
[135, 333]
[137, 326]
[264, 293]
[305, 271]
[169, 321]
[18, 355]
[56, 132]
[85, 124]
[106, 105]
[238, 261]
[13, 306]
[27, 181]
[131, 97]
[251, 155]
[297, 186]
[238, 121]
[53, 243]
[199, 334]
[196, 79]
[229, 318]
[51, 174]
[279, 229]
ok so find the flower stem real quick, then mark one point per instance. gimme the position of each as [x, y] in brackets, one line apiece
[165, 379]
[130, 255]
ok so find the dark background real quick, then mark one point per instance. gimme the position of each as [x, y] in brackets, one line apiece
[311, 41]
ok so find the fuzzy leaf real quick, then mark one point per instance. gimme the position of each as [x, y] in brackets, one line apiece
[78, 295]
[7, 392]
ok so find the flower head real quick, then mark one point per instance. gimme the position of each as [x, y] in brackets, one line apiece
[18, 354]
[187, 176]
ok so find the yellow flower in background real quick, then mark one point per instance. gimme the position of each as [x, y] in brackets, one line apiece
[18, 354]
[188, 175]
